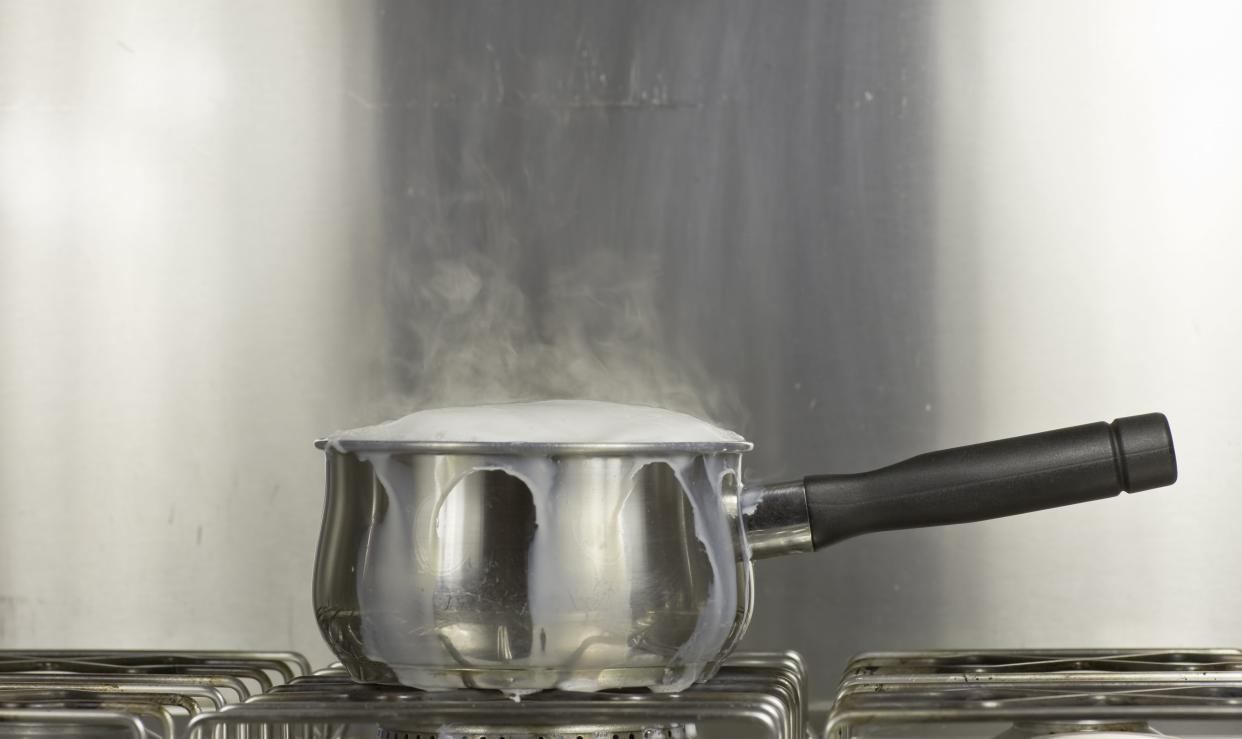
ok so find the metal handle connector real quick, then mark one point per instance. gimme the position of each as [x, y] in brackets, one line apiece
[776, 519]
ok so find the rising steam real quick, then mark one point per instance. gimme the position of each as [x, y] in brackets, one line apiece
[473, 336]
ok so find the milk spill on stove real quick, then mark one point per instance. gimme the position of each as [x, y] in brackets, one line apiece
[410, 531]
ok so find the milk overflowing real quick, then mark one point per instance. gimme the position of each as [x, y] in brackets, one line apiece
[585, 560]
[545, 422]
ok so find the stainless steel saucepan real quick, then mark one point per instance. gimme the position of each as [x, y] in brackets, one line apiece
[529, 566]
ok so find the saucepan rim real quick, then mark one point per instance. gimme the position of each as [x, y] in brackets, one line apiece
[533, 448]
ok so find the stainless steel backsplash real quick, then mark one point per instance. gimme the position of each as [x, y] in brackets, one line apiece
[852, 231]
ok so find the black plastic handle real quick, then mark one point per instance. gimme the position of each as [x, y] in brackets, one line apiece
[995, 479]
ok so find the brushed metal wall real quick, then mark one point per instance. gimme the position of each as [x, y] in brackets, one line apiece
[771, 172]
[854, 231]
[179, 187]
[1086, 263]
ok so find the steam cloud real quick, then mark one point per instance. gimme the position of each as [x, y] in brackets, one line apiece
[594, 332]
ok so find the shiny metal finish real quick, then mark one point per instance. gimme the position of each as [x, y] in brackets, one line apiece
[1046, 665]
[654, 449]
[1082, 730]
[776, 519]
[883, 226]
[1009, 694]
[450, 570]
[109, 693]
[19, 723]
[485, 730]
[753, 696]
[519, 569]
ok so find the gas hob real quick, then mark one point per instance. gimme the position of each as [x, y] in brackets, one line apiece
[1089, 694]
[119, 693]
[218, 695]
[1040, 693]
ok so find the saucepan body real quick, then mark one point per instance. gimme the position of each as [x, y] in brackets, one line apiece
[529, 568]
[523, 566]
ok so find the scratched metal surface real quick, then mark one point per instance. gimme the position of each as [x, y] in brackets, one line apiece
[769, 168]
[865, 229]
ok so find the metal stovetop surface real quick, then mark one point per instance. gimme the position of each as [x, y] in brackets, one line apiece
[166, 695]
[965, 693]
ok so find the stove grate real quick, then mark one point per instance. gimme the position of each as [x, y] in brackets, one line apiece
[759, 695]
[1038, 693]
[147, 694]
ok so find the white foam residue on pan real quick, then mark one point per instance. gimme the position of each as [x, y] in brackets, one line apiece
[586, 619]
[544, 422]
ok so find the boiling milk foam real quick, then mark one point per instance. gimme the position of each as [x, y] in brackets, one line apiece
[544, 422]
[394, 588]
